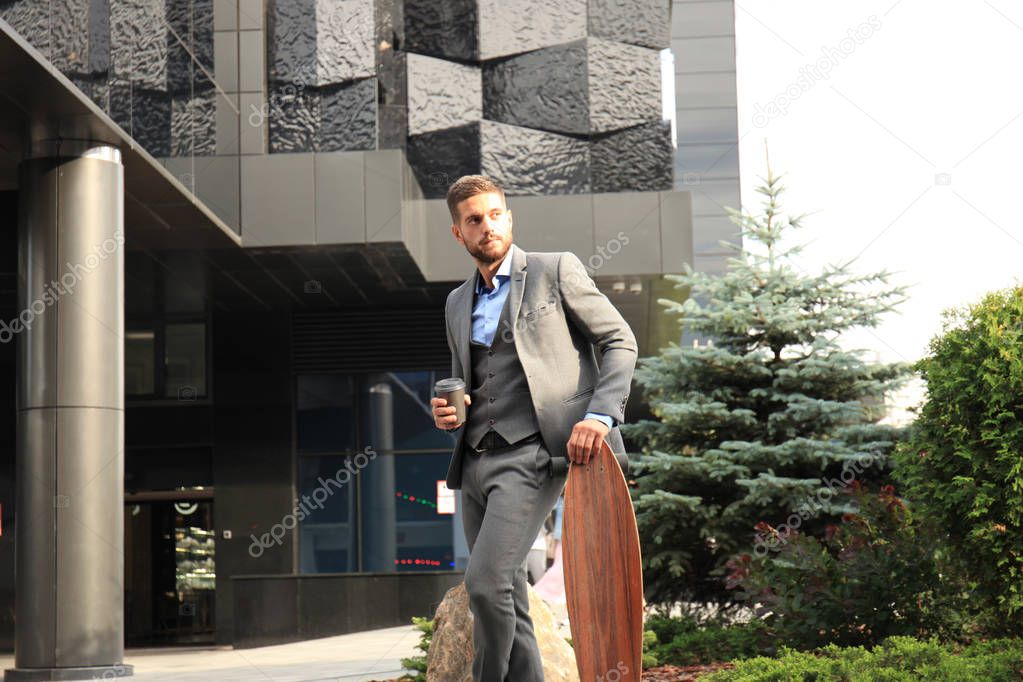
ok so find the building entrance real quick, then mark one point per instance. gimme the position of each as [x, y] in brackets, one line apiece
[169, 569]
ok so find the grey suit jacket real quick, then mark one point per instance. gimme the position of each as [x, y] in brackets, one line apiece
[561, 319]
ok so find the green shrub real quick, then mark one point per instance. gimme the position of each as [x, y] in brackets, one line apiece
[871, 577]
[896, 659]
[962, 465]
[418, 663]
[682, 641]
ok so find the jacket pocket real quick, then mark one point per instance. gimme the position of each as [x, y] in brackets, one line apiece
[545, 308]
[579, 395]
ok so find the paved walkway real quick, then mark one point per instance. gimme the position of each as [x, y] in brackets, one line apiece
[359, 657]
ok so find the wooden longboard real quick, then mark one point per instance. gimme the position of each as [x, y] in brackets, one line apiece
[603, 572]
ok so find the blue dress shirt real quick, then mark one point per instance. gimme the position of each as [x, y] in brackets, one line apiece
[486, 309]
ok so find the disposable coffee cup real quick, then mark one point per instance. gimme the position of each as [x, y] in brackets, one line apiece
[453, 391]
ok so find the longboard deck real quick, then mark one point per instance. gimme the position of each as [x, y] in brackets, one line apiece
[603, 571]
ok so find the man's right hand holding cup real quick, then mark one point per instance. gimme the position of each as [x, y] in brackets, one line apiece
[444, 416]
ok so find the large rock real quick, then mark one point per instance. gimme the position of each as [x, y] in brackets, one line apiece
[451, 653]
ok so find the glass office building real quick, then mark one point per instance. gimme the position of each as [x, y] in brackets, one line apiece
[225, 259]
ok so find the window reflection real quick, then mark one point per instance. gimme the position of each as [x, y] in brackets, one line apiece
[326, 413]
[185, 360]
[139, 372]
[388, 415]
[327, 542]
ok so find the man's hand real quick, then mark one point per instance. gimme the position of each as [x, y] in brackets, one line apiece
[584, 443]
[444, 414]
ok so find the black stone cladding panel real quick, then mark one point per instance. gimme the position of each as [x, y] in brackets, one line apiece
[179, 61]
[80, 34]
[291, 42]
[624, 84]
[392, 97]
[544, 89]
[348, 114]
[640, 22]
[440, 157]
[193, 120]
[150, 120]
[139, 43]
[442, 29]
[534, 162]
[119, 103]
[294, 113]
[191, 21]
[634, 160]
[508, 27]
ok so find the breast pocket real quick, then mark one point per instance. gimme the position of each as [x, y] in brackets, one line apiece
[578, 395]
[545, 308]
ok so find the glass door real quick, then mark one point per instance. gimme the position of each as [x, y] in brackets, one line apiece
[169, 572]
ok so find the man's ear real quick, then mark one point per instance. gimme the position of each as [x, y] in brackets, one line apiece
[456, 233]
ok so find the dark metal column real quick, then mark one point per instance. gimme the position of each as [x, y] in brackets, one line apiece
[379, 513]
[70, 396]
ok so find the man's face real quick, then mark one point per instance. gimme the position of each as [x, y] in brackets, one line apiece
[485, 227]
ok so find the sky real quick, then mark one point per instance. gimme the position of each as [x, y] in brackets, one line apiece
[898, 126]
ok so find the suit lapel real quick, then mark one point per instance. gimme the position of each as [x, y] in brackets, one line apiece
[518, 285]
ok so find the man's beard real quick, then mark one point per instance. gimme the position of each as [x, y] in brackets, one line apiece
[483, 256]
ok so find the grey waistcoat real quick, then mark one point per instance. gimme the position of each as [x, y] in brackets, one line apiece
[499, 391]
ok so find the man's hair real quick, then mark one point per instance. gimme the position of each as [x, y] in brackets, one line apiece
[469, 186]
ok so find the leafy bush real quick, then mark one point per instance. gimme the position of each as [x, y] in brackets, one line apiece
[682, 641]
[871, 577]
[418, 663]
[896, 659]
[962, 464]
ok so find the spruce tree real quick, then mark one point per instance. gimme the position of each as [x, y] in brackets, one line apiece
[769, 420]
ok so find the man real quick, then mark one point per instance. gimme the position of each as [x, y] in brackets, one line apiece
[522, 330]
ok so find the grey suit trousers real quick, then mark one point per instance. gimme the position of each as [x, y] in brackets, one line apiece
[506, 495]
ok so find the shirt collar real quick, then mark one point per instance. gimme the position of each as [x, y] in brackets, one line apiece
[503, 272]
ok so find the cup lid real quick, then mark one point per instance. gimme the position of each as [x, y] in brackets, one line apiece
[449, 384]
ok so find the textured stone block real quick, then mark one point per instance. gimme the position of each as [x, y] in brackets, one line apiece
[291, 41]
[587, 86]
[193, 119]
[150, 119]
[640, 22]
[189, 34]
[294, 115]
[440, 157]
[139, 42]
[392, 98]
[527, 161]
[624, 84]
[32, 21]
[344, 40]
[81, 35]
[442, 29]
[441, 94]
[637, 159]
[348, 115]
[509, 27]
[545, 89]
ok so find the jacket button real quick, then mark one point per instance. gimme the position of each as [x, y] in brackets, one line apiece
[490, 421]
[492, 399]
[490, 374]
